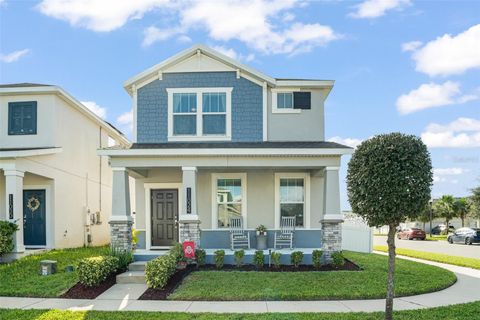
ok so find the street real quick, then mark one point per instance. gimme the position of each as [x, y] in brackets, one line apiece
[472, 251]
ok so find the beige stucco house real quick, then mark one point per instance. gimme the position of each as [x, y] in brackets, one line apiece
[215, 139]
[52, 182]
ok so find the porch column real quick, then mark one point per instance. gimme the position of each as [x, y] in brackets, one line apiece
[189, 223]
[332, 215]
[14, 205]
[121, 220]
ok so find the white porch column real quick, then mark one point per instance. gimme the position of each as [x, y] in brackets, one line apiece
[332, 215]
[121, 220]
[14, 204]
[189, 223]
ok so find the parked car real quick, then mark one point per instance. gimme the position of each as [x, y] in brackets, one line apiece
[465, 235]
[411, 233]
[440, 229]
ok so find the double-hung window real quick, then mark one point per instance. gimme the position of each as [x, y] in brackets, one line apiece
[230, 198]
[292, 197]
[285, 100]
[22, 118]
[199, 114]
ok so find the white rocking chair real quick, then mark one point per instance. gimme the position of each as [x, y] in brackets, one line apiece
[284, 237]
[239, 238]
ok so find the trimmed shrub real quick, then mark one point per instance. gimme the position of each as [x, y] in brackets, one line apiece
[177, 252]
[93, 271]
[238, 255]
[200, 255]
[7, 229]
[159, 270]
[125, 257]
[219, 258]
[259, 259]
[296, 258]
[337, 259]
[317, 258]
[275, 257]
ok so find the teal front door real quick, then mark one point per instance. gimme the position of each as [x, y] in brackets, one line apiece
[34, 218]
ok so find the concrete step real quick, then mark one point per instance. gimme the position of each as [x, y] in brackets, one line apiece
[137, 266]
[131, 277]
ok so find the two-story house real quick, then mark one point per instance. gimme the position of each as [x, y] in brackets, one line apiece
[216, 139]
[53, 184]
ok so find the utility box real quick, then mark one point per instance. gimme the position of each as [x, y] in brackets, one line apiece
[48, 267]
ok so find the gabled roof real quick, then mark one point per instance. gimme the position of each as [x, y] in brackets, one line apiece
[209, 52]
[34, 88]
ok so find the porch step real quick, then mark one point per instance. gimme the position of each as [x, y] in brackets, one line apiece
[131, 277]
[137, 266]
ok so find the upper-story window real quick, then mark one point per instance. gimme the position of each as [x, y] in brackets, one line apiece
[285, 100]
[290, 102]
[22, 118]
[199, 114]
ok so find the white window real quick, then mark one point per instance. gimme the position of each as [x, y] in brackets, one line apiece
[282, 102]
[292, 197]
[199, 114]
[229, 198]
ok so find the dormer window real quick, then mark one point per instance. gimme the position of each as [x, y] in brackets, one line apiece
[199, 114]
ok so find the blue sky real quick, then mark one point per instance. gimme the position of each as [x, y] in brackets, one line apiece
[399, 65]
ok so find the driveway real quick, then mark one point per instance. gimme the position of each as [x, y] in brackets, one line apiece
[460, 250]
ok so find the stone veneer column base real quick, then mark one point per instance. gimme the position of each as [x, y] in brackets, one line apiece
[189, 230]
[121, 234]
[331, 238]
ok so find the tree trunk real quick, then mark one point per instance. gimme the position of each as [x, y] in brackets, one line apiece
[463, 220]
[391, 273]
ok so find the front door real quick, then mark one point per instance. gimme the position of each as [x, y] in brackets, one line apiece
[34, 218]
[164, 217]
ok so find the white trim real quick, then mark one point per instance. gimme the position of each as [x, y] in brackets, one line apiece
[332, 168]
[300, 175]
[29, 153]
[134, 112]
[228, 152]
[199, 114]
[148, 210]
[306, 83]
[265, 111]
[49, 214]
[214, 177]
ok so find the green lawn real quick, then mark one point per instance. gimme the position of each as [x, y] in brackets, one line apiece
[21, 278]
[368, 283]
[466, 311]
[442, 237]
[438, 257]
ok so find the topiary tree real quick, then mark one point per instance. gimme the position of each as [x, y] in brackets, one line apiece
[389, 180]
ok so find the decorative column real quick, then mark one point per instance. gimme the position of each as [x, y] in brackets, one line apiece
[14, 205]
[189, 223]
[121, 220]
[332, 218]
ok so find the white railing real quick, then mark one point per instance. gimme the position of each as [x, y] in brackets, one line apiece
[357, 236]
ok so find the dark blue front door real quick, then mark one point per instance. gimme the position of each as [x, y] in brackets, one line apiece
[34, 218]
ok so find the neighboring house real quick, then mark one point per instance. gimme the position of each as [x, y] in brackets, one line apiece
[214, 139]
[52, 182]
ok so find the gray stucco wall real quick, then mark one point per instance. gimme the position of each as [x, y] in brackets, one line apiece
[247, 113]
[308, 125]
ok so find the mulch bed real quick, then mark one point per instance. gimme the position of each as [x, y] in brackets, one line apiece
[79, 291]
[179, 275]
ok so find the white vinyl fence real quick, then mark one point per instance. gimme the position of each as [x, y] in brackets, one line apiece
[357, 236]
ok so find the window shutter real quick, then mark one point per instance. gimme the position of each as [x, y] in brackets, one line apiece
[302, 100]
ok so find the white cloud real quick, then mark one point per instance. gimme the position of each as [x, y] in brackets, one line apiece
[126, 120]
[13, 56]
[229, 52]
[445, 174]
[448, 55]
[154, 34]
[99, 15]
[431, 95]
[95, 108]
[377, 8]
[411, 46]
[351, 142]
[461, 133]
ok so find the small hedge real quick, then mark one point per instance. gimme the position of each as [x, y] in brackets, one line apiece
[159, 270]
[317, 258]
[200, 255]
[219, 257]
[337, 259]
[93, 271]
[275, 256]
[259, 259]
[7, 229]
[296, 258]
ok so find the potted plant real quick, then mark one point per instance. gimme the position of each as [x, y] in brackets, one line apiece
[261, 237]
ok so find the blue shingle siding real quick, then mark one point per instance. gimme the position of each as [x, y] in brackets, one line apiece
[247, 104]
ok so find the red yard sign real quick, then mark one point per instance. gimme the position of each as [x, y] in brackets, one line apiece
[189, 249]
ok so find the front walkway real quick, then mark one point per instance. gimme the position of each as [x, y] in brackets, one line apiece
[123, 298]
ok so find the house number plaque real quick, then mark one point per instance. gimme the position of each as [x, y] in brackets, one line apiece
[189, 200]
[10, 206]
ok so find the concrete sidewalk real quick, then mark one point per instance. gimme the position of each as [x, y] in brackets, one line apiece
[124, 298]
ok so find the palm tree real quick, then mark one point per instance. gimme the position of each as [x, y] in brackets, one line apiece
[462, 208]
[444, 207]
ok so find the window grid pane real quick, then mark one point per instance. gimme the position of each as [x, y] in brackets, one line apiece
[285, 100]
[292, 199]
[229, 200]
[184, 124]
[184, 102]
[214, 102]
